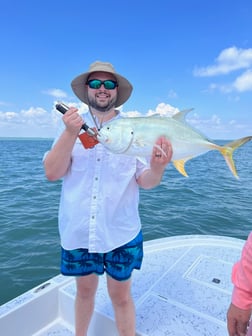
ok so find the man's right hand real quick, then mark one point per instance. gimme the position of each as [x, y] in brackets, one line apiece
[73, 121]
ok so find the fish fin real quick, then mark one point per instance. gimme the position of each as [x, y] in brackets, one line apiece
[180, 116]
[155, 115]
[228, 150]
[180, 166]
[142, 160]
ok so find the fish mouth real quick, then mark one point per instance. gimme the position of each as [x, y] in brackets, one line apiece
[102, 138]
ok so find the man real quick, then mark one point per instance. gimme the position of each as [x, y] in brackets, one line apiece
[239, 312]
[99, 222]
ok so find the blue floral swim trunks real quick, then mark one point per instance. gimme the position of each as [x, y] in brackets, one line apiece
[119, 263]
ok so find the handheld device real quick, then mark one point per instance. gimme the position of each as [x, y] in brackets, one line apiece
[62, 108]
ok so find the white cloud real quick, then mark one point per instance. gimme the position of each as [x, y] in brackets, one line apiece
[229, 60]
[244, 82]
[212, 127]
[213, 121]
[216, 128]
[241, 84]
[131, 114]
[31, 116]
[163, 109]
[33, 122]
[56, 93]
[37, 122]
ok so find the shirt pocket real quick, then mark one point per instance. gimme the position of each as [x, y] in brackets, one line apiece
[80, 157]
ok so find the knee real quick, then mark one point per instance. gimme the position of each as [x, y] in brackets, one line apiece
[84, 293]
[85, 289]
[120, 298]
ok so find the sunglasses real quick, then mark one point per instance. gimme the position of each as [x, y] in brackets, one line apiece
[97, 83]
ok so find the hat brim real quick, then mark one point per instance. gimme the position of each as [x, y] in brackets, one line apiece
[79, 87]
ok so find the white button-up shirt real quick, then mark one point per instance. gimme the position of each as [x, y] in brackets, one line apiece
[99, 199]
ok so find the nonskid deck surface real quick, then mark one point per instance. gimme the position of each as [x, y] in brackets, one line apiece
[184, 288]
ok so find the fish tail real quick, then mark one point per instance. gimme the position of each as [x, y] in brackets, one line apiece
[228, 150]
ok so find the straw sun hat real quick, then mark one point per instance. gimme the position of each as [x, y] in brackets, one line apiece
[80, 89]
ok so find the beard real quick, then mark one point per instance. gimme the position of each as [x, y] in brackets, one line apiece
[101, 107]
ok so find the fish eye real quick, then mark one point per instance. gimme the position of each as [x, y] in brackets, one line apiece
[108, 127]
[131, 132]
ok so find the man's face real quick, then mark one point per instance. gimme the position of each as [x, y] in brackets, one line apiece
[102, 99]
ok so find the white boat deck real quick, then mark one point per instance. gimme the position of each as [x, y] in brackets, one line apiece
[183, 288]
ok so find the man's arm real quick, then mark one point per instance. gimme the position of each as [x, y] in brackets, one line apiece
[58, 160]
[150, 178]
[239, 311]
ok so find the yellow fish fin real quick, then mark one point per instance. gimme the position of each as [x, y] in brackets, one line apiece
[180, 166]
[228, 150]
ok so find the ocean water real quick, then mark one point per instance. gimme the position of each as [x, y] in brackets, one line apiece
[210, 201]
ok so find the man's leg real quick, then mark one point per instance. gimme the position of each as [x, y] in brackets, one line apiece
[120, 294]
[84, 303]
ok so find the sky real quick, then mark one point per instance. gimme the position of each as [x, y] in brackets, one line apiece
[178, 54]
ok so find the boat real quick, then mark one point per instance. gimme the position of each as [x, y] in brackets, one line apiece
[183, 289]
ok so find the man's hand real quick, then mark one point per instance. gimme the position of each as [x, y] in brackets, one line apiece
[161, 154]
[73, 121]
[237, 320]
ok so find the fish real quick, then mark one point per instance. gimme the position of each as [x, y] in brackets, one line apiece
[137, 136]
